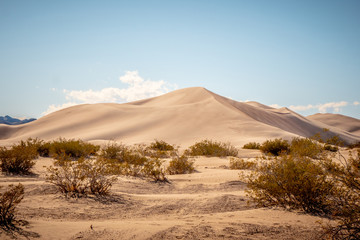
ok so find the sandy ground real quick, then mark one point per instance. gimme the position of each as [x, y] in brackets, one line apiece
[208, 204]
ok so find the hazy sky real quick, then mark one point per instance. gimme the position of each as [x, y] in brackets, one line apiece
[299, 54]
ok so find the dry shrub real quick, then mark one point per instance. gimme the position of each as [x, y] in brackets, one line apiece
[161, 145]
[79, 178]
[8, 203]
[347, 198]
[305, 147]
[291, 182]
[212, 148]
[275, 147]
[252, 145]
[180, 165]
[239, 163]
[19, 158]
[133, 162]
[72, 148]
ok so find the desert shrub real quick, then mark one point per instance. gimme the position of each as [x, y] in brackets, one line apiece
[19, 158]
[252, 145]
[275, 147]
[154, 170]
[212, 148]
[8, 203]
[346, 173]
[180, 165]
[239, 163]
[79, 178]
[305, 147]
[161, 145]
[72, 148]
[354, 145]
[293, 183]
[44, 149]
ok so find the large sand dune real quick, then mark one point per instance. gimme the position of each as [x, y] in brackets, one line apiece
[179, 117]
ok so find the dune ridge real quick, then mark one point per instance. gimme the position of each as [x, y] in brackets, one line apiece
[179, 117]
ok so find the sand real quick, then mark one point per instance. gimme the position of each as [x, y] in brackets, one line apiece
[208, 204]
[180, 117]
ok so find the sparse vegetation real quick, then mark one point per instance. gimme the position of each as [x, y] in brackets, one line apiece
[82, 177]
[275, 147]
[239, 163]
[161, 145]
[8, 203]
[212, 148]
[19, 158]
[252, 145]
[180, 165]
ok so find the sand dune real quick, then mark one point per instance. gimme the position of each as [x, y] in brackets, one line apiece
[349, 124]
[179, 117]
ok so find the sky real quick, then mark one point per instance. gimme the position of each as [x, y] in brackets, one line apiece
[304, 55]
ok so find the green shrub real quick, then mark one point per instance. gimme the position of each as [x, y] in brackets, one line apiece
[305, 147]
[275, 147]
[252, 145]
[239, 163]
[212, 148]
[292, 182]
[8, 203]
[19, 158]
[180, 165]
[73, 148]
[82, 177]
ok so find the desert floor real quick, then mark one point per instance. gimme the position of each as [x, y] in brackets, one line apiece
[208, 204]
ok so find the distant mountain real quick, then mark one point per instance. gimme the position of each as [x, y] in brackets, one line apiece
[14, 121]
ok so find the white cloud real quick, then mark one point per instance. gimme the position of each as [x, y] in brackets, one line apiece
[355, 103]
[323, 108]
[54, 108]
[275, 106]
[137, 89]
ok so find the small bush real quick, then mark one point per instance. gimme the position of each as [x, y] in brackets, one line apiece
[154, 170]
[8, 203]
[19, 158]
[161, 145]
[292, 182]
[238, 163]
[73, 148]
[354, 145]
[275, 147]
[305, 147]
[79, 178]
[252, 145]
[180, 165]
[212, 148]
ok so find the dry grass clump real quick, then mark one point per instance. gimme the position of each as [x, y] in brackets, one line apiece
[180, 165]
[275, 147]
[240, 164]
[252, 145]
[9, 200]
[82, 177]
[161, 145]
[19, 158]
[212, 148]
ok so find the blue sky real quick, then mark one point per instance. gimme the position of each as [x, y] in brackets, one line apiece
[299, 54]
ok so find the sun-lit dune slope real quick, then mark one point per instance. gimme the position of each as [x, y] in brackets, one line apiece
[349, 124]
[180, 117]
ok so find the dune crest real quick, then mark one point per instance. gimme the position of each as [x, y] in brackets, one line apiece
[179, 117]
